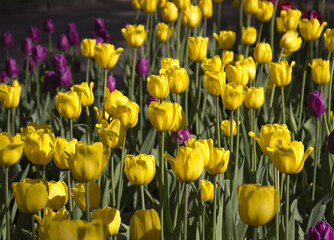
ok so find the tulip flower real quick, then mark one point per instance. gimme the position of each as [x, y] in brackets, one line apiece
[61, 149]
[329, 39]
[315, 104]
[182, 136]
[197, 48]
[179, 79]
[180, 118]
[30, 195]
[99, 115]
[34, 127]
[257, 204]
[84, 92]
[227, 58]
[11, 148]
[111, 219]
[59, 61]
[68, 104]
[168, 63]
[136, 4]
[204, 145]
[310, 30]
[249, 35]
[111, 134]
[191, 16]
[73, 38]
[12, 70]
[169, 13]
[71, 27]
[225, 126]
[7, 40]
[232, 96]
[280, 25]
[64, 76]
[49, 215]
[106, 56]
[145, 224]
[226, 39]
[161, 115]
[10, 95]
[99, 24]
[321, 231]
[88, 47]
[48, 26]
[158, 85]
[320, 71]
[254, 98]
[34, 33]
[112, 99]
[251, 6]
[207, 190]
[127, 113]
[139, 169]
[206, 8]
[149, 6]
[38, 53]
[280, 73]
[162, 31]
[262, 53]
[237, 74]
[291, 42]
[3, 78]
[290, 18]
[50, 80]
[265, 11]
[251, 67]
[58, 195]
[27, 46]
[212, 64]
[214, 82]
[181, 3]
[63, 43]
[101, 36]
[142, 66]
[111, 83]
[219, 158]
[135, 35]
[78, 194]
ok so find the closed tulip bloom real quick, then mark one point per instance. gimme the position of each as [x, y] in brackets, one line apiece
[262, 53]
[49, 215]
[79, 195]
[191, 16]
[315, 104]
[321, 231]
[34, 33]
[158, 85]
[320, 71]
[249, 35]
[214, 82]
[10, 95]
[111, 134]
[135, 35]
[61, 147]
[197, 48]
[106, 56]
[251, 67]
[3, 77]
[71, 27]
[64, 76]
[48, 26]
[27, 46]
[280, 25]
[162, 31]
[237, 74]
[219, 158]
[226, 39]
[7, 40]
[265, 11]
[11, 148]
[112, 99]
[181, 3]
[59, 61]
[73, 38]
[179, 80]
[225, 126]
[88, 161]
[232, 96]
[311, 30]
[257, 204]
[161, 115]
[280, 72]
[271, 134]
[139, 169]
[206, 8]
[30, 195]
[63, 43]
[58, 195]
[291, 42]
[12, 70]
[204, 145]
[149, 6]
[38, 53]
[88, 47]
[145, 224]
[291, 18]
[111, 219]
[161, 3]
[68, 104]
[212, 64]
[329, 39]
[207, 190]
[254, 97]
[127, 113]
[169, 13]
[251, 6]
[180, 118]
[167, 63]
[84, 92]
[142, 66]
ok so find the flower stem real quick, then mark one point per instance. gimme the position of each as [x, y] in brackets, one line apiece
[330, 92]
[26, 81]
[104, 92]
[71, 129]
[204, 27]
[142, 196]
[8, 121]
[283, 104]
[276, 182]
[287, 181]
[37, 91]
[133, 73]
[89, 125]
[203, 221]
[185, 211]
[120, 181]
[87, 202]
[217, 121]
[7, 202]
[33, 232]
[113, 199]
[231, 132]
[253, 124]
[141, 116]
[167, 42]
[162, 181]
[260, 75]
[254, 233]
[70, 206]
[236, 163]
[178, 27]
[50, 44]
[214, 208]
[260, 33]
[87, 71]
[316, 158]
[197, 99]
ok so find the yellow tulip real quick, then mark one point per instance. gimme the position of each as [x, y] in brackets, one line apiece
[180, 118]
[33, 127]
[79, 195]
[11, 148]
[106, 56]
[87, 47]
[207, 190]
[249, 35]
[227, 58]
[290, 41]
[68, 104]
[251, 6]
[30, 195]
[162, 3]
[188, 164]
[145, 224]
[197, 48]
[311, 30]
[85, 93]
[162, 31]
[265, 11]
[280, 25]
[149, 6]
[135, 35]
[225, 126]
[127, 113]
[232, 96]
[161, 115]
[251, 67]
[191, 16]
[113, 99]
[257, 204]
[262, 53]
[212, 64]
[179, 80]
[239, 57]
[237, 74]
[38, 147]
[10, 95]
[58, 195]
[271, 134]
[169, 13]
[99, 114]
[254, 97]
[329, 39]
[181, 3]
[158, 85]
[219, 158]
[88, 161]
[61, 146]
[167, 63]
[136, 4]
[280, 72]
[204, 145]
[320, 71]
[111, 219]
[139, 169]
[49, 215]
[214, 82]
[226, 39]
[289, 158]
[206, 8]
[111, 134]
[291, 18]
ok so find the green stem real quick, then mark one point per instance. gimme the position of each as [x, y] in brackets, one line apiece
[120, 181]
[272, 96]
[133, 73]
[231, 132]
[253, 144]
[203, 221]
[283, 104]
[272, 26]
[197, 99]
[167, 42]
[89, 121]
[50, 43]
[254, 233]
[71, 129]
[236, 163]
[276, 182]
[287, 181]
[104, 92]
[69, 185]
[162, 180]
[316, 158]
[8, 121]
[87, 202]
[87, 71]
[217, 121]
[37, 92]
[113, 199]
[214, 208]
[246, 51]
[142, 196]
[260, 33]
[38, 171]
[33, 232]
[141, 112]
[7, 53]
[7, 202]
[249, 19]
[204, 27]
[26, 81]
[178, 29]
[185, 211]
[260, 75]
[330, 92]
[241, 16]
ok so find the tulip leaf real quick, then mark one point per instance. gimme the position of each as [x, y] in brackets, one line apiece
[292, 120]
[149, 141]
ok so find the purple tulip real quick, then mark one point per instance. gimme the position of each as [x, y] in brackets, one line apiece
[64, 77]
[63, 43]
[48, 26]
[59, 61]
[50, 80]
[27, 46]
[3, 78]
[184, 135]
[34, 33]
[315, 104]
[142, 66]
[7, 40]
[151, 99]
[321, 231]
[99, 24]
[31, 63]
[71, 27]
[11, 68]
[73, 38]
[312, 14]
[111, 83]
[38, 53]
[102, 34]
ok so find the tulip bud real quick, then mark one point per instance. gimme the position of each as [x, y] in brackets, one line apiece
[88, 47]
[180, 118]
[315, 104]
[49, 215]
[3, 78]
[142, 66]
[71, 27]
[145, 224]
[254, 98]
[151, 99]
[27, 46]
[158, 85]
[206, 8]
[262, 53]
[111, 220]
[34, 33]
[149, 6]
[101, 36]
[181, 3]
[10, 95]
[48, 26]
[111, 83]
[191, 16]
[63, 43]
[232, 96]
[226, 39]
[11, 68]
[280, 73]
[79, 195]
[237, 74]
[7, 40]
[197, 48]
[290, 41]
[265, 11]
[331, 142]
[249, 35]
[99, 24]
[207, 190]
[179, 80]
[59, 61]
[290, 18]
[182, 136]
[63, 151]
[320, 71]
[219, 158]
[11, 148]
[161, 115]
[214, 82]
[38, 53]
[68, 104]
[284, 5]
[58, 194]
[204, 145]
[280, 26]
[169, 13]
[139, 169]
[135, 35]
[64, 76]
[225, 126]
[329, 39]
[162, 31]
[251, 6]
[321, 231]
[30, 61]
[73, 38]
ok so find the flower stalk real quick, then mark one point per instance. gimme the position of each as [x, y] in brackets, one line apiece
[185, 226]
[287, 181]
[316, 158]
[133, 74]
[7, 203]
[142, 196]
[161, 180]
[87, 202]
